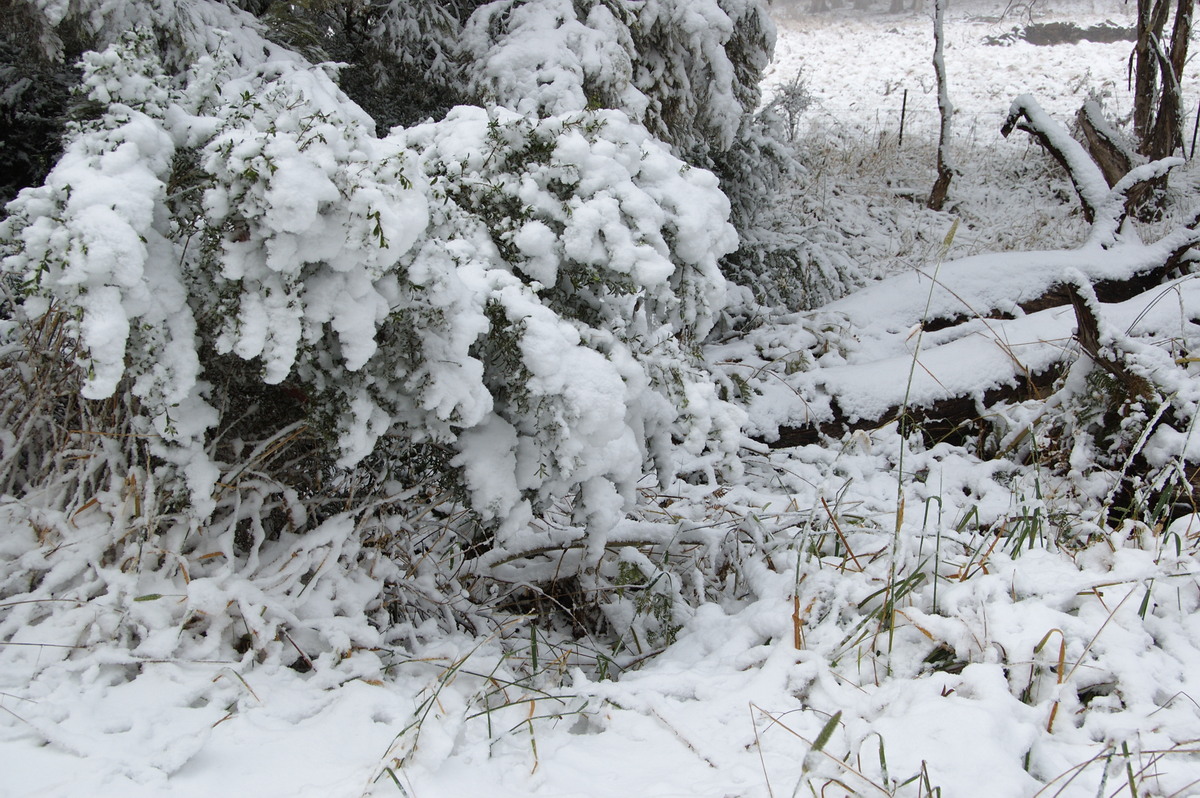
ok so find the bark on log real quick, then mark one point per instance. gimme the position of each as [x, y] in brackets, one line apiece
[954, 420]
[1088, 334]
[1109, 152]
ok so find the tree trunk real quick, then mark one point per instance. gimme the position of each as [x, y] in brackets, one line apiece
[1166, 134]
[1145, 65]
[937, 197]
[1157, 67]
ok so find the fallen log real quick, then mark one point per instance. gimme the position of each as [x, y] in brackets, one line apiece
[954, 419]
[942, 377]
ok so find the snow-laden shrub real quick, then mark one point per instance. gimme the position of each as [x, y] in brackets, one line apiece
[699, 64]
[278, 342]
[184, 30]
[95, 247]
[689, 72]
[303, 225]
[686, 69]
[554, 56]
[591, 255]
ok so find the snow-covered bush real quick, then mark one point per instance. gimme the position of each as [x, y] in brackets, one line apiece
[270, 336]
[590, 253]
[686, 70]
[789, 256]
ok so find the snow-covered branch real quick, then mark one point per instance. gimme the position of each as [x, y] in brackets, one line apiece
[1025, 114]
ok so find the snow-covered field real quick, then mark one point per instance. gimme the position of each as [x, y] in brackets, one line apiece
[912, 621]
[858, 67]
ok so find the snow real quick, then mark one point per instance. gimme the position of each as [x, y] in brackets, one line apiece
[983, 80]
[964, 691]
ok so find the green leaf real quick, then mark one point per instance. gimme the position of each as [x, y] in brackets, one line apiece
[826, 732]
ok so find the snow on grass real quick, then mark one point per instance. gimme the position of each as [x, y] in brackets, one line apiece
[858, 65]
[946, 622]
[863, 179]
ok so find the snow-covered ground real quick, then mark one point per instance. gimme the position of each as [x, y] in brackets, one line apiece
[1015, 663]
[858, 66]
